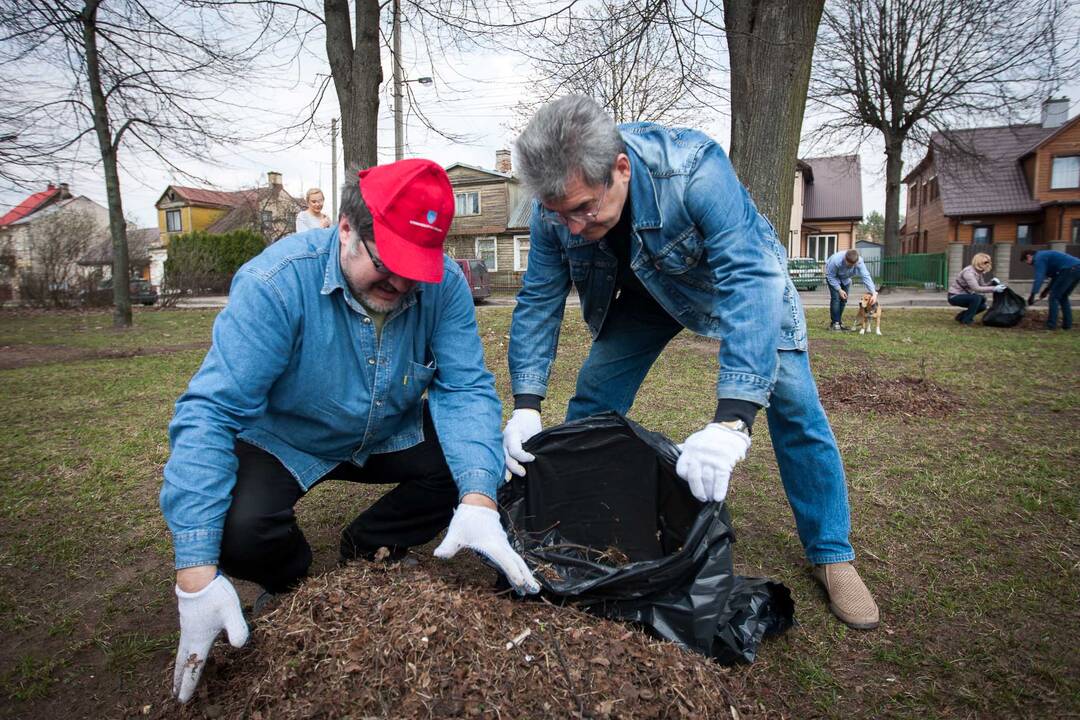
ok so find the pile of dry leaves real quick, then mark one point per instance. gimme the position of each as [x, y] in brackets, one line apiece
[905, 396]
[393, 642]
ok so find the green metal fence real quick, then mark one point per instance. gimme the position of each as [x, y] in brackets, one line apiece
[925, 270]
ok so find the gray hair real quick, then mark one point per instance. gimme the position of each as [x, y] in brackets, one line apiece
[355, 210]
[570, 137]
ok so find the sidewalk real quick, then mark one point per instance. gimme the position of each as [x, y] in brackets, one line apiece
[889, 297]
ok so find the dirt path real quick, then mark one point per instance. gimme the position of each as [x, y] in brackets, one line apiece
[17, 356]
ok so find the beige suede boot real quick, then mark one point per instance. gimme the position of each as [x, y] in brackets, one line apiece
[849, 599]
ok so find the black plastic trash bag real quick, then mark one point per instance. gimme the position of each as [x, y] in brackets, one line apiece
[604, 523]
[1007, 309]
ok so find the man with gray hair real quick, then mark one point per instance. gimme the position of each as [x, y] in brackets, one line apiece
[657, 234]
[319, 370]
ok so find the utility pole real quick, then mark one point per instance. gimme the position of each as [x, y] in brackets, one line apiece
[399, 128]
[333, 168]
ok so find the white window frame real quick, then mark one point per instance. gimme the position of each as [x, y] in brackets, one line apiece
[830, 245]
[1060, 176]
[495, 250]
[464, 198]
[518, 266]
[179, 221]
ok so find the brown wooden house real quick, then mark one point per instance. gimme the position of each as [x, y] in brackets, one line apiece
[1017, 184]
[491, 219]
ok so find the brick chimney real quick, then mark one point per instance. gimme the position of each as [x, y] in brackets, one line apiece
[1055, 111]
[273, 178]
[64, 192]
[502, 161]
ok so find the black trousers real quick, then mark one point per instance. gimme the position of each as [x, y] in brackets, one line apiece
[263, 543]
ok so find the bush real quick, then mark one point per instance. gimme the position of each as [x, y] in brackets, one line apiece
[201, 263]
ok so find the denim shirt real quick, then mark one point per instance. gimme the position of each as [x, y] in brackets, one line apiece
[296, 369]
[1048, 263]
[700, 247]
[838, 273]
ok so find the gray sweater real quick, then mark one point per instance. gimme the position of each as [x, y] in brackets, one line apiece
[969, 280]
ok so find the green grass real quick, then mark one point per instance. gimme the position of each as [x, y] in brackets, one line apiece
[966, 526]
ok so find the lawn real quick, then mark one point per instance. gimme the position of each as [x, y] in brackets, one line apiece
[961, 447]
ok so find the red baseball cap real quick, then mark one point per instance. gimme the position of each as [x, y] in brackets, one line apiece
[412, 203]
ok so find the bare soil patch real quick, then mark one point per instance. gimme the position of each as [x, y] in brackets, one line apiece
[376, 641]
[16, 356]
[905, 396]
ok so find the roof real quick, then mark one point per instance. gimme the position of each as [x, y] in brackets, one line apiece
[244, 212]
[521, 215]
[986, 176]
[833, 188]
[451, 166]
[1056, 131]
[202, 196]
[29, 205]
[139, 243]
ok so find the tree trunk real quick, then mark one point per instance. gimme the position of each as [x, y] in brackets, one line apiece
[357, 72]
[117, 224]
[770, 46]
[894, 164]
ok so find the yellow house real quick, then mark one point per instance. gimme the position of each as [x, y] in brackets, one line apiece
[187, 209]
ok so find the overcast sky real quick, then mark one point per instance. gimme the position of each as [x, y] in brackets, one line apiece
[472, 98]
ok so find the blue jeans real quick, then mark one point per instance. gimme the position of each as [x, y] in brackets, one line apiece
[974, 302]
[837, 305]
[806, 451]
[1060, 288]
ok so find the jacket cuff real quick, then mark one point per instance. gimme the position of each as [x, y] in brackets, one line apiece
[192, 548]
[528, 384]
[744, 386]
[478, 481]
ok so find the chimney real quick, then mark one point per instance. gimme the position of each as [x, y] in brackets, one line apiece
[1055, 111]
[502, 161]
[273, 178]
[64, 192]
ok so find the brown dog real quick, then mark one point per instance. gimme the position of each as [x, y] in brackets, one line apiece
[868, 310]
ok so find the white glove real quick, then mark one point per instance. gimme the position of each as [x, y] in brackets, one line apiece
[995, 281]
[1000, 288]
[478, 528]
[707, 459]
[203, 615]
[521, 426]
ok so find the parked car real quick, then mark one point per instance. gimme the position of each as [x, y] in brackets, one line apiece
[139, 291]
[476, 274]
[806, 273]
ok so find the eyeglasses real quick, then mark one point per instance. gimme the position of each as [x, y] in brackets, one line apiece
[378, 264]
[581, 218]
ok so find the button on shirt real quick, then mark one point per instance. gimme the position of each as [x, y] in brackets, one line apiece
[296, 368]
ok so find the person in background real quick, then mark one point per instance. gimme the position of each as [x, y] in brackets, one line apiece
[839, 269]
[313, 217]
[349, 353]
[1064, 273]
[967, 288]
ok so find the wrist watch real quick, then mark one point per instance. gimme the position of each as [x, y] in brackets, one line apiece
[736, 425]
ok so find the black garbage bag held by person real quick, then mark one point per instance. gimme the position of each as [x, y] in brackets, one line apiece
[1008, 309]
[605, 523]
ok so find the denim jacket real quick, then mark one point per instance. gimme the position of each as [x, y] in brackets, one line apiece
[699, 246]
[296, 369]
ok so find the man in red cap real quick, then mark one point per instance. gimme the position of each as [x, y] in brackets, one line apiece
[319, 369]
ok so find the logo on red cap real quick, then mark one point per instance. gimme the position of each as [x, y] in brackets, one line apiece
[407, 200]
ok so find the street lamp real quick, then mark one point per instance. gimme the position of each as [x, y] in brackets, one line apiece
[399, 124]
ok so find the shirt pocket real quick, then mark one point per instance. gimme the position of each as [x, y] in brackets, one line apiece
[680, 255]
[418, 377]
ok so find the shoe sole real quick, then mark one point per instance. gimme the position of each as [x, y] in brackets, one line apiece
[854, 625]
